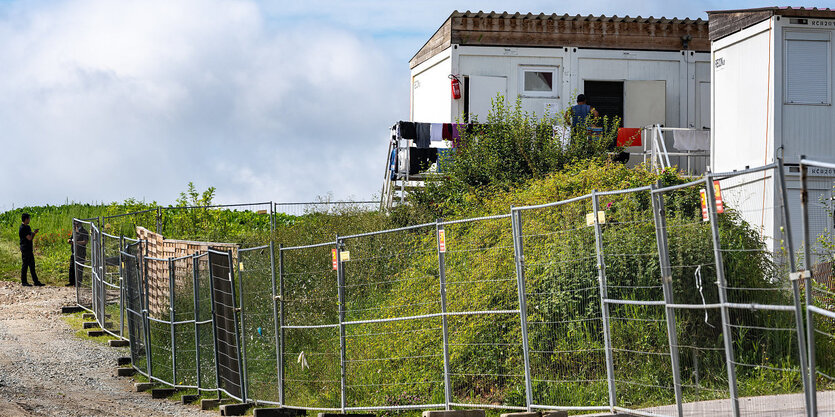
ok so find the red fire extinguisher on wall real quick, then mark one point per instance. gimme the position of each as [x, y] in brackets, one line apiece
[456, 87]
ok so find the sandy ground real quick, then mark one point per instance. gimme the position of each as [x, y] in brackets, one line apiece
[46, 371]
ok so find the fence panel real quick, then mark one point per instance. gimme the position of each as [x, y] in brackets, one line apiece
[134, 307]
[762, 309]
[227, 336]
[486, 366]
[310, 330]
[96, 275]
[634, 292]
[204, 326]
[393, 328]
[183, 318]
[258, 323]
[111, 287]
[246, 224]
[818, 205]
[82, 265]
[564, 318]
[157, 279]
[693, 302]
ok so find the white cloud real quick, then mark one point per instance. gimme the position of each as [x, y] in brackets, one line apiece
[107, 100]
[104, 100]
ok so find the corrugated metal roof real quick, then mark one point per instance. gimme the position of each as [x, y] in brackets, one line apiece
[553, 30]
[568, 17]
[727, 22]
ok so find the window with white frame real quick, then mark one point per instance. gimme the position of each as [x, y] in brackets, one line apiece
[539, 81]
[808, 71]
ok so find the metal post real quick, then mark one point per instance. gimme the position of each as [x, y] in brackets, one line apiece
[278, 318]
[100, 287]
[667, 285]
[604, 307]
[340, 277]
[214, 322]
[240, 309]
[516, 230]
[272, 222]
[121, 290]
[723, 296]
[441, 237]
[237, 330]
[195, 276]
[159, 221]
[798, 309]
[810, 317]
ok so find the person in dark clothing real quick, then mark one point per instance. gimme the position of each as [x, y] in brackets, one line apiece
[27, 235]
[581, 116]
[79, 252]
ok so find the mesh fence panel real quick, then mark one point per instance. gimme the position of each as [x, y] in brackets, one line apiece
[185, 349]
[393, 363]
[204, 329]
[820, 228]
[702, 362]
[134, 301]
[245, 224]
[485, 344]
[309, 304]
[111, 285]
[83, 265]
[640, 346]
[756, 268]
[565, 324]
[227, 351]
[258, 323]
[125, 224]
[160, 344]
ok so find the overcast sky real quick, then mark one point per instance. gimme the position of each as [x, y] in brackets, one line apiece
[101, 100]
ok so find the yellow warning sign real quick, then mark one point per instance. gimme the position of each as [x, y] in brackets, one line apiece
[345, 256]
[441, 241]
[601, 218]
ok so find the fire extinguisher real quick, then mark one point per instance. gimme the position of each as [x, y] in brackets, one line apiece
[456, 87]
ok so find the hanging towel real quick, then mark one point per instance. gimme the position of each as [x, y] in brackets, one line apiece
[436, 133]
[447, 131]
[407, 130]
[456, 135]
[691, 140]
[423, 135]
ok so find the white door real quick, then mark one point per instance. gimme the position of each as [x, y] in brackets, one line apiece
[644, 103]
[483, 90]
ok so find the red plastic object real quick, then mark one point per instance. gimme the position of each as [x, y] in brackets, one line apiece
[629, 136]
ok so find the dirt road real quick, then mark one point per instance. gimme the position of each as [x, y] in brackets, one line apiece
[46, 371]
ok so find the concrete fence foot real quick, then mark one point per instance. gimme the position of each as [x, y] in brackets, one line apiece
[118, 343]
[234, 409]
[162, 392]
[278, 412]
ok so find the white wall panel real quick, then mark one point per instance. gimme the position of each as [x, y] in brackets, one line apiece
[431, 95]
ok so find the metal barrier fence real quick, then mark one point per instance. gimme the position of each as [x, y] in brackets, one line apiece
[818, 206]
[674, 301]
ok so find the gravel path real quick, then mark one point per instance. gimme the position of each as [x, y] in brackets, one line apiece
[46, 371]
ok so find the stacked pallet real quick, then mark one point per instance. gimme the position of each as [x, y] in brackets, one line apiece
[155, 246]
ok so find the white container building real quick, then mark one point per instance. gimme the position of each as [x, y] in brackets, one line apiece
[644, 70]
[772, 81]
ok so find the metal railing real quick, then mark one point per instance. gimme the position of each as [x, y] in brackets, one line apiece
[678, 300]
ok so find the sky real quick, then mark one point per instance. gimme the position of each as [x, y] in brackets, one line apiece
[285, 101]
